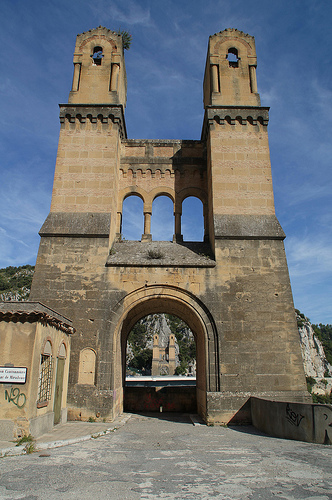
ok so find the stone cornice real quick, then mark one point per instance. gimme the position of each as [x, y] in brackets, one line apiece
[32, 312]
[93, 112]
[245, 226]
[77, 224]
[244, 115]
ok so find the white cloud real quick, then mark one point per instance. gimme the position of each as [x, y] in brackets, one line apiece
[133, 13]
[308, 256]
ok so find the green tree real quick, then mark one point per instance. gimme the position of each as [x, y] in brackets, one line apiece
[324, 333]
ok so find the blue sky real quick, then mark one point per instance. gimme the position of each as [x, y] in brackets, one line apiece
[165, 68]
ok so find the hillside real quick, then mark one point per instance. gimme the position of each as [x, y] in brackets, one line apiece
[15, 282]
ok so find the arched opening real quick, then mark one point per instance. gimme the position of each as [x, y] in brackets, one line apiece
[192, 220]
[232, 57]
[132, 218]
[162, 220]
[97, 55]
[160, 366]
[45, 375]
[170, 300]
[60, 369]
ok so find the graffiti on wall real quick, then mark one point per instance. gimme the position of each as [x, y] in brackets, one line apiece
[323, 423]
[292, 416]
[16, 397]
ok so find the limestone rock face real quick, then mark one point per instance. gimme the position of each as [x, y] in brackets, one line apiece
[314, 359]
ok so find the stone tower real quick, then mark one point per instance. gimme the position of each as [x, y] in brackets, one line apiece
[232, 290]
[163, 357]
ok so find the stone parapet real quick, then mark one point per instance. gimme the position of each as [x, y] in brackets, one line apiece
[80, 114]
[245, 115]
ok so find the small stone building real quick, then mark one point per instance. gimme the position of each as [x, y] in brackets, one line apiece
[34, 367]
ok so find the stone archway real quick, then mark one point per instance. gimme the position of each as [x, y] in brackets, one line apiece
[172, 300]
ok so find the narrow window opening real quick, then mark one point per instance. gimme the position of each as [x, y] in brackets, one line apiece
[232, 57]
[192, 219]
[162, 220]
[97, 56]
[45, 379]
[132, 218]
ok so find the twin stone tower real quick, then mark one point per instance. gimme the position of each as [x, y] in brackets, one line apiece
[232, 289]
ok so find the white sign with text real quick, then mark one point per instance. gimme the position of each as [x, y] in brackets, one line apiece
[13, 375]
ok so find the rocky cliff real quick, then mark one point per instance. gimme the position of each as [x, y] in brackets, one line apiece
[314, 359]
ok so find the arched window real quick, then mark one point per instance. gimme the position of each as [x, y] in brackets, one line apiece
[132, 218]
[192, 221]
[62, 351]
[97, 55]
[87, 367]
[162, 220]
[232, 57]
[45, 377]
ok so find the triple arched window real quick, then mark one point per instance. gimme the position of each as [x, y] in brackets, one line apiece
[163, 221]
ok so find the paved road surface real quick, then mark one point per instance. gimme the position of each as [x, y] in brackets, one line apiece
[151, 457]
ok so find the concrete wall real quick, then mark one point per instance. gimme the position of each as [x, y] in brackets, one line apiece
[299, 421]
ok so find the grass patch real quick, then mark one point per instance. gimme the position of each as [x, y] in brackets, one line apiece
[24, 439]
[29, 442]
[155, 254]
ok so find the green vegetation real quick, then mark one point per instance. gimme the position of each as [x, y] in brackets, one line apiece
[323, 399]
[300, 318]
[15, 282]
[24, 439]
[126, 38]
[310, 383]
[324, 334]
[29, 442]
[141, 360]
[155, 254]
[187, 345]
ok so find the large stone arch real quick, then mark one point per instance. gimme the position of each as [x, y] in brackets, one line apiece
[172, 300]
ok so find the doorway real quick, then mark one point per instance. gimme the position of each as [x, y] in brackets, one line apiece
[160, 366]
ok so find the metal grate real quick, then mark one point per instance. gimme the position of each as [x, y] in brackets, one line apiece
[45, 381]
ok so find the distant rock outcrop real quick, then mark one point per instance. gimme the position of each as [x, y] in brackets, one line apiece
[314, 359]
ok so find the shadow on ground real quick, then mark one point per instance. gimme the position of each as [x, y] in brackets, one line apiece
[183, 418]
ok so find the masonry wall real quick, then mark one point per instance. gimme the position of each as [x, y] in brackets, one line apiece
[247, 293]
[233, 289]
